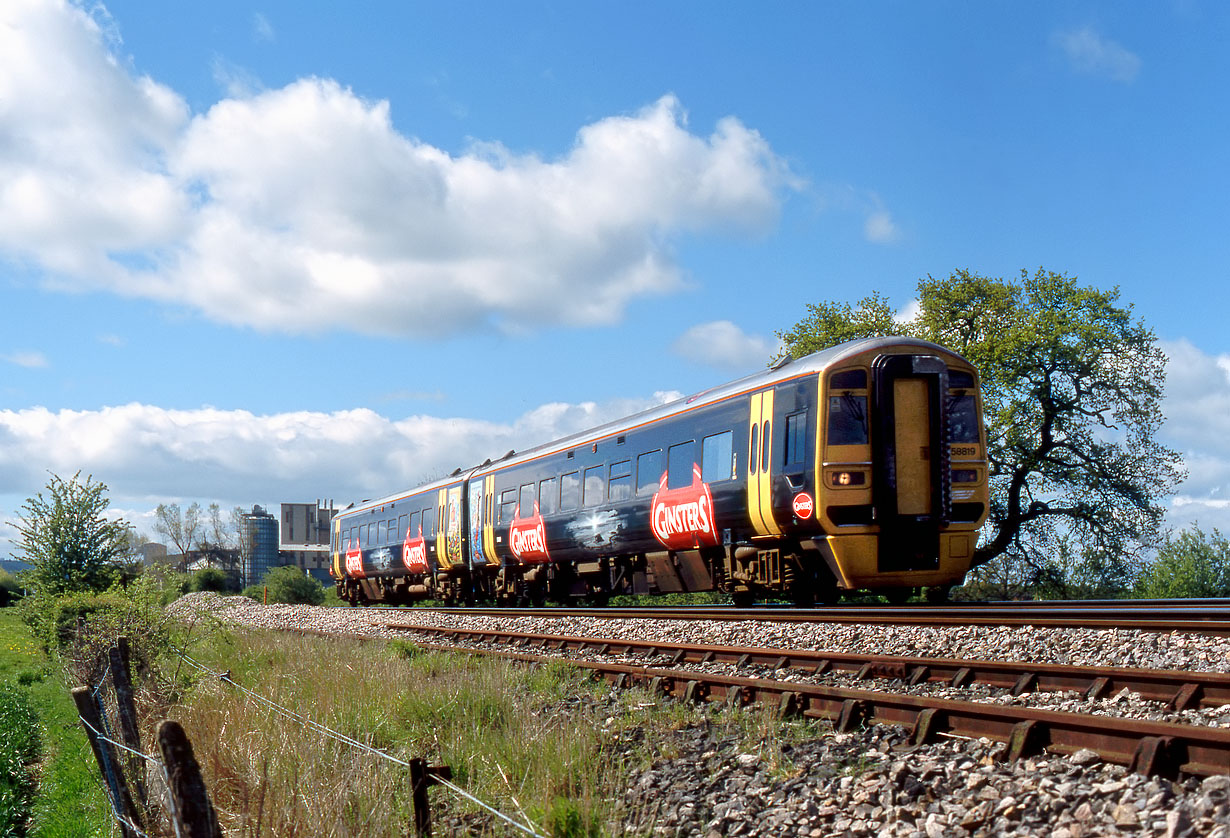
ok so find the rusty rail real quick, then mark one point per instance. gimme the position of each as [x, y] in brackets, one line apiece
[1179, 689]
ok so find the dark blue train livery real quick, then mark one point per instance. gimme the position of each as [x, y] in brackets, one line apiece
[860, 467]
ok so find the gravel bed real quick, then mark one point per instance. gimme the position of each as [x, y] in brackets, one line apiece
[1075, 647]
[870, 782]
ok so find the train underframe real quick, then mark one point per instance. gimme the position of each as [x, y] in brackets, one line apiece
[796, 571]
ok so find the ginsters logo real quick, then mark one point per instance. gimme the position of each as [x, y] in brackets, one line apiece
[528, 536]
[414, 552]
[354, 560]
[682, 519]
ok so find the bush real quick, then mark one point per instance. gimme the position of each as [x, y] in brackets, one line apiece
[1193, 565]
[212, 579]
[288, 584]
[81, 628]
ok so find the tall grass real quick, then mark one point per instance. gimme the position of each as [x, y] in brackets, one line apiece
[537, 743]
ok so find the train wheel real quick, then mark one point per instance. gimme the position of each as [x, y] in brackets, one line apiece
[897, 596]
[742, 599]
[939, 594]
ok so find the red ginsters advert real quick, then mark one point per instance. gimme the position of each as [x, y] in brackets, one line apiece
[354, 560]
[682, 519]
[414, 552]
[528, 536]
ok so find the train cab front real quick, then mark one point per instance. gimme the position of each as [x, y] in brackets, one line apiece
[902, 489]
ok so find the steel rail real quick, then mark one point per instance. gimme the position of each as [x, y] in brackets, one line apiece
[1146, 747]
[1200, 619]
[1179, 689]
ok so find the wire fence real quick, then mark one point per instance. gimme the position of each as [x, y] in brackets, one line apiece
[187, 804]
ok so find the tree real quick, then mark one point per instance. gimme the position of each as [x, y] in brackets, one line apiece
[1071, 385]
[1192, 565]
[181, 528]
[67, 539]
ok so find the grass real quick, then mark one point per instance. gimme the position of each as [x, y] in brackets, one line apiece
[67, 801]
[545, 744]
[538, 743]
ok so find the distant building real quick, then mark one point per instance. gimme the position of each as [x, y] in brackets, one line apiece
[258, 545]
[152, 551]
[304, 540]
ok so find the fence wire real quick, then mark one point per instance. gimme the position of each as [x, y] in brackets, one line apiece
[354, 743]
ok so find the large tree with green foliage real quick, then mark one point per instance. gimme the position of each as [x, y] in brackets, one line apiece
[68, 540]
[1072, 387]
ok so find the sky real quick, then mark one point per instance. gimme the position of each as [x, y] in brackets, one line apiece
[254, 253]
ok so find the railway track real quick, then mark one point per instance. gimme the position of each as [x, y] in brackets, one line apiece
[1199, 616]
[1148, 747]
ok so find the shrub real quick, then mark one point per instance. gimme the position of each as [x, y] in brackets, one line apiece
[288, 584]
[1193, 565]
[80, 630]
[212, 579]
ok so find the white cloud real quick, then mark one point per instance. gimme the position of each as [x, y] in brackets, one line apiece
[1197, 410]
[148, 455]
[27, 359]
[303, 209]
[1095, 55]
[724, 345]
[880, 228]
[262, 29]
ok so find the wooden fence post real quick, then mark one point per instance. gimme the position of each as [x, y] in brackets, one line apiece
[121, 678]
[421, 778]
[108, 760]
[193, 813]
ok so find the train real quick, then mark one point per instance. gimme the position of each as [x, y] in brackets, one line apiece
[861, 467]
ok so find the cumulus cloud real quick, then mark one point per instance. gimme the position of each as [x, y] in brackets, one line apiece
[724, 345]
[1197, 410]
[1090, 53]
[151, 454]
[303, 209]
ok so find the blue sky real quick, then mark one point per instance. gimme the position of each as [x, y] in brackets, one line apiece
[265, 252]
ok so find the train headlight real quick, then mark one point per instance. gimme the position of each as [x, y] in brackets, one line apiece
[849, 478]
[964, 475]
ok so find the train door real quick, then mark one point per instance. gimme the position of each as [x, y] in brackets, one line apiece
[760, 465]
[911, 460]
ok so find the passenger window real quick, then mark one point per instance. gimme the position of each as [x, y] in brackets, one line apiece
[765, 436]
[679, 462]
[796, 438]
[526, 500]
[752, 450]
[847, 420]
[649, 468]
[546, 496]
[429, 523]
[414, 524]
[715, 457]
[593, 486]
[620, 485]
[508, 500]
[569, 491]
[962, 417]
[403, 527]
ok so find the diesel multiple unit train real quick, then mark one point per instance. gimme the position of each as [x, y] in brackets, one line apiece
[862, 466]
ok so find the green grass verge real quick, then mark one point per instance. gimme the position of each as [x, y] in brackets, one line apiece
[66, 799]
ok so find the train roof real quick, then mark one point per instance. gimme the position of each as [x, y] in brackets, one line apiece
[782, 371]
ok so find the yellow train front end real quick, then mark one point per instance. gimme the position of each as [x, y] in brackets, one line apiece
[901, 467]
